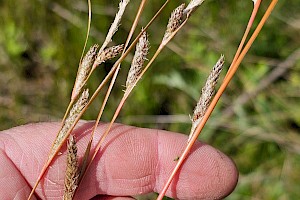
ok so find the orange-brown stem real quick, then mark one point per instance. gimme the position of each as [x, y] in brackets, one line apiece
[127, 93]
[106, 132]
[104, 81]
[115, 67]
[52, 156]
[249, 25]
[87, 152]
[73, 96]
[216, 98]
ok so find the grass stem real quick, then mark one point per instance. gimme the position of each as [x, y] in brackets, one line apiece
[87, 152]
[216, 99]
[249, 25]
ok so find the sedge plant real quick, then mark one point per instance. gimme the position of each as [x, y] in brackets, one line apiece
[95, 56]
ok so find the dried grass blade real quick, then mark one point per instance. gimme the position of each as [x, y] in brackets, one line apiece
[73, 97]
[216, 98]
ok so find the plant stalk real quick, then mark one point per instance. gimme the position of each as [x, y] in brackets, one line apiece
[216, 98]
[87, 152]
[249, 25]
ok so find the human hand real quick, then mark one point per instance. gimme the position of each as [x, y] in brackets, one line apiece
[132, 161]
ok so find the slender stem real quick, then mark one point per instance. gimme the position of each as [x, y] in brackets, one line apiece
[73, 97]
[67, 111]
[128, 91]
[107, 130]
[127, 51]
[114, 68]
[249, 25]
[52, 155]
[88, 28]
[216, 98]
[141, 8]
[82, 54]
[87, 152]
[113, 120]
[160, 48]
[70, 103]
[125, 54]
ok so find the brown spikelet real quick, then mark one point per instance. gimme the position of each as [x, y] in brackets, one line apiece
[72, 170]
[116, 23]
[70, 120]
[139, 58]
[193, 5]
[207, 94]
[84, 69]
[174, 21]
[109, 53]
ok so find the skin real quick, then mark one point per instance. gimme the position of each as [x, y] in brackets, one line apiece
[133, 161]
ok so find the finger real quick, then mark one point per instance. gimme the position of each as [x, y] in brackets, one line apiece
[105, 197]
[133, 161]
[12, 184]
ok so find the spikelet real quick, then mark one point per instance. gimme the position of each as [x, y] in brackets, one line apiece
[84, 69]
[207, 93]
[193, 5]
[116, 23]
[70, 120]
[72, 170]
[109, 53]
[139, 58]
[174, 21]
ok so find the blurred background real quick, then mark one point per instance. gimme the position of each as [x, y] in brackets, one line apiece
[256, 121]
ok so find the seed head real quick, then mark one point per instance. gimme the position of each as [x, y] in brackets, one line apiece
[70, 120]
[72, 170]
[109, 53]
[207, 93]
[116, 23]
[174, 21]
[139, 58]
[84, 70]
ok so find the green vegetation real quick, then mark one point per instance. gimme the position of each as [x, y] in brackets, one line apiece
[257, 121]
